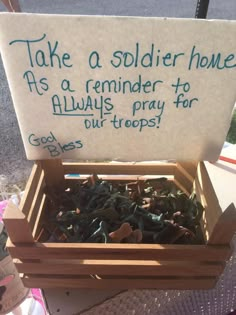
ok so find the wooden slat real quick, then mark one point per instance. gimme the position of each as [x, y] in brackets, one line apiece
[181, 187]
[36, 202]
[183, 177]
[190, 167]
[120, 251]
[120, 267]
[30, 189]
[16, 224]
[213, 210]
[225, 227]
[54, 173]
[141, 283]
[38, 217]
[201, 198]
[120, 168]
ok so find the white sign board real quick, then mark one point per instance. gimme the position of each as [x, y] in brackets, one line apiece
[125, 88]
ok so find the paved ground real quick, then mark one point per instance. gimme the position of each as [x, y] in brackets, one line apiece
[13, 162]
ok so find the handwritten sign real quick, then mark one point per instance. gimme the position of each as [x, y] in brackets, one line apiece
[125, 88]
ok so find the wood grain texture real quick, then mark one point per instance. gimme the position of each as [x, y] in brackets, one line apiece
[39, 214]
[140, 283]
[183, 177]
[189, 167]
[54, 173]
[201, 198]
[17, 225]
[225, 227]
[120, 252]
[30, 189]
[123, 268]
[36, 202]
[209, 199]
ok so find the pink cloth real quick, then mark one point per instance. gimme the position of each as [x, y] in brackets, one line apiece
[36, 293]
[3, 205]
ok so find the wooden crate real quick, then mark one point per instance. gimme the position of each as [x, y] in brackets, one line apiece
[121, 266]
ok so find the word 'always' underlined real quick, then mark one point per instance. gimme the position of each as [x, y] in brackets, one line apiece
[82, 115]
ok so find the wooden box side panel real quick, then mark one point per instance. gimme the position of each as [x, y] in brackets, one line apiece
[218, 225]
[51, 172]
[27, 217]
[184, 175]
[30, 189]
[97, 265]
[125, 268]
[189, 167]
[225, 227]
[135, 252]
[206, 283]
[17, 226]
[54, 173]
